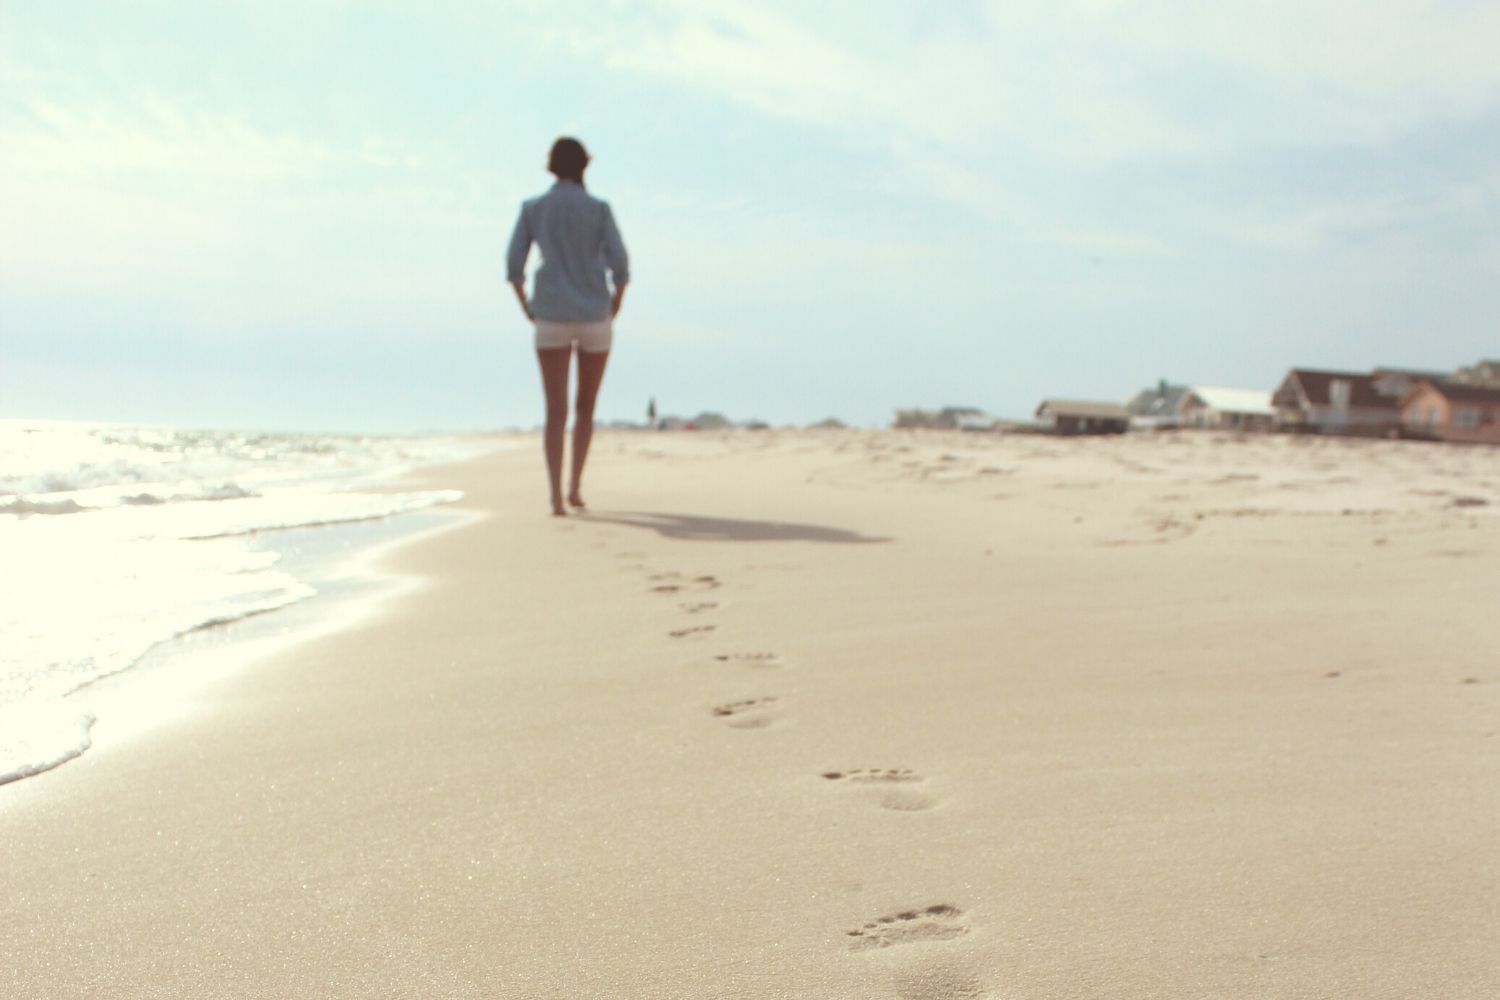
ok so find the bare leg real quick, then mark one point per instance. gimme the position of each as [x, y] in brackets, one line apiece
[590, 375]
[554, 362]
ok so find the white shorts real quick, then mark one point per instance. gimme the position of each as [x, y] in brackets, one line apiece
[591, 338]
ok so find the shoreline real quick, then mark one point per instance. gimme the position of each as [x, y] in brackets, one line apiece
[837, 715]
[339, 561]
[164, 682]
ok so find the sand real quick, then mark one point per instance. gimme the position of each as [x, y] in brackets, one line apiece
[835, 715]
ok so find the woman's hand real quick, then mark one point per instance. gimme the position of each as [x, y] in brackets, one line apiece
[521, 298]
[614, 305]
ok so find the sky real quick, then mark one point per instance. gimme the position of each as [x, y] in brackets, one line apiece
[293, 215]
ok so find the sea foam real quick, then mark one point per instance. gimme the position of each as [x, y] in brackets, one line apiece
[115, 539]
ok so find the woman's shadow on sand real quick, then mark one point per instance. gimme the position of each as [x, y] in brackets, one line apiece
[696, 528]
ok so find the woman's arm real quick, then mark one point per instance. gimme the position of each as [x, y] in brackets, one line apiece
[616, 259]
[515, 259]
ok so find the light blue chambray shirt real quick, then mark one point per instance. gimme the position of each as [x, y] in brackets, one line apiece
[577, 235]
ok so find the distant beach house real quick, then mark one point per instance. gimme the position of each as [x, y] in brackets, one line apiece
[1223, 408]
[963, 418]
[1485, 372]
[1335, 403]
[1452, 411]
[1156, 407]
[1068, 416]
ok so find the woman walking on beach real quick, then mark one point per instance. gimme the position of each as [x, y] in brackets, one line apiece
[571, 302]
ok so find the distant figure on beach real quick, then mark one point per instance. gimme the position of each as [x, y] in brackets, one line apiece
[571, 304]
[651, 413]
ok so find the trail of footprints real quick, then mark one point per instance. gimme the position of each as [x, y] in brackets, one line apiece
[893, 788]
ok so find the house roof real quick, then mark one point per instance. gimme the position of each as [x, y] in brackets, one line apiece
[1484, 370]
[1081, 408]
[1230, 400]
[1462, 392]
[1316, 384]
[1410, 373]
[1158, 401]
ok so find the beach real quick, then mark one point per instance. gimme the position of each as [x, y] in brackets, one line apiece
[833, 714]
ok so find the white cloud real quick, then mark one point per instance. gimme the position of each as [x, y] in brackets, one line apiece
[1085, 82]
[1413, 56]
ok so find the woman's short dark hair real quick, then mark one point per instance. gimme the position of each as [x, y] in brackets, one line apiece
[568, 158]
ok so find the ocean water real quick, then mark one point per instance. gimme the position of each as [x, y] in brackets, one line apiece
[115, 539]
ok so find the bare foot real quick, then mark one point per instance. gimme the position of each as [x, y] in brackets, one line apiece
[574, 500]
[558, 510]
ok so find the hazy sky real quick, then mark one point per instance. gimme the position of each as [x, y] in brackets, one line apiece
[295, 214]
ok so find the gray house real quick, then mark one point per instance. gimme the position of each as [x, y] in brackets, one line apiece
[1157, 406]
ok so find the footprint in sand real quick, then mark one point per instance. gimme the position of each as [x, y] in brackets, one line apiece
[666, 583]
[939, 922]
[893, 784]
[682, 633]
[672, 583]
[873, 775]
[695, 607]
[751, 713]
[760, 661]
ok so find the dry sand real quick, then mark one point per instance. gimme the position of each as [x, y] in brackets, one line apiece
[836, 715]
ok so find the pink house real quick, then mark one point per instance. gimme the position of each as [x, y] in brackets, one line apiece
[1452, 411]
